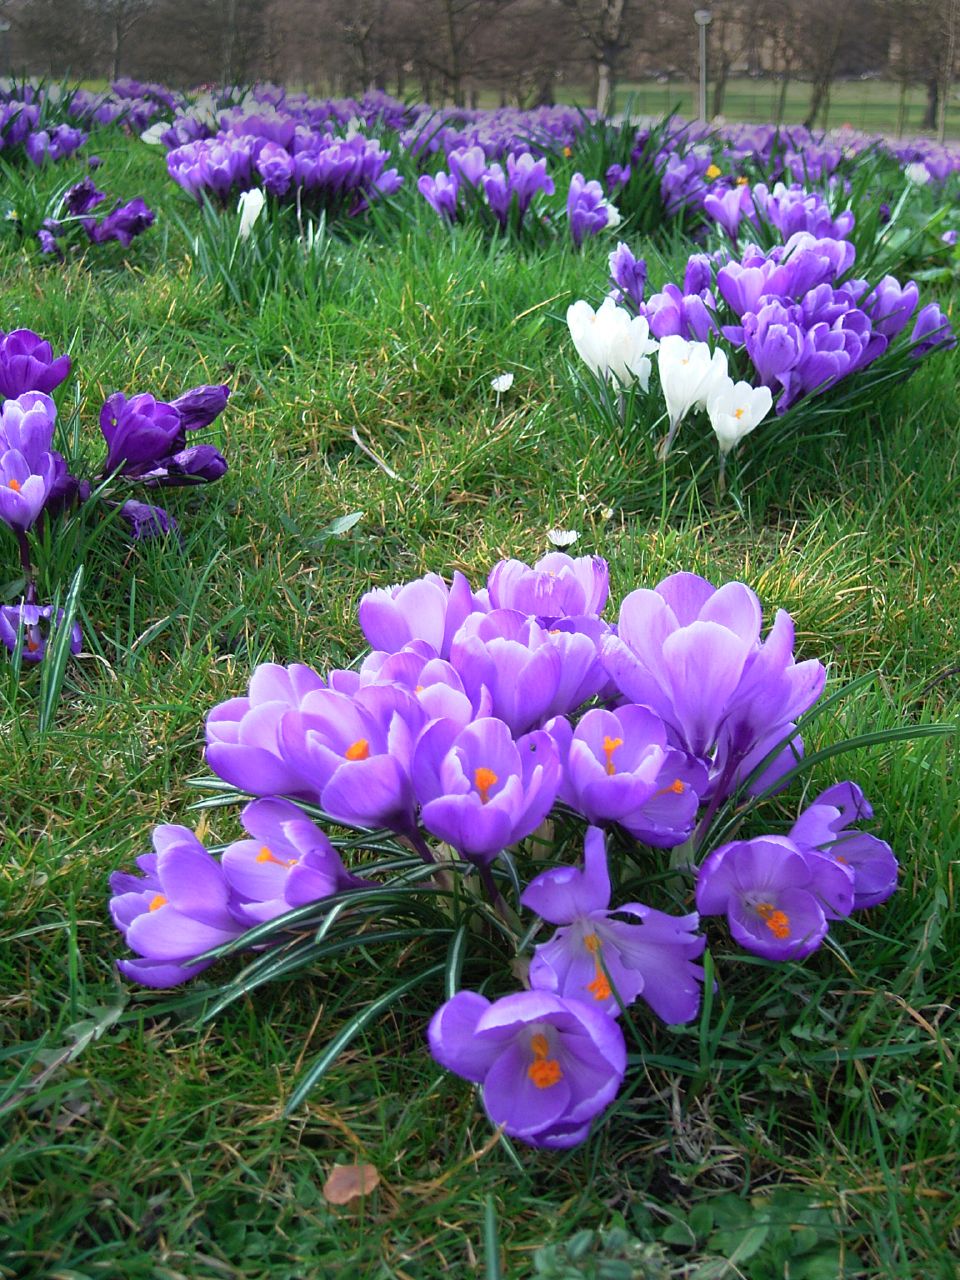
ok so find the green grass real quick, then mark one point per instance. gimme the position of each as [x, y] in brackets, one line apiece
[141, 1144]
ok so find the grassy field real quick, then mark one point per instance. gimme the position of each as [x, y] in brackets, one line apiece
[808, 1126]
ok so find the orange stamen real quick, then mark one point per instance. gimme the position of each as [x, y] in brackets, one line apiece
[599, 988]
[609, 747]
[14, 485]
[267, 855]
[359, 750]
[778, 922]
[738, 413]
[157, 901]
[543, 1071]
[33, 645]
[483, 780]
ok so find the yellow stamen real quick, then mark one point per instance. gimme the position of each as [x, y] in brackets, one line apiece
[483, 780]
[738, 413]
[359, 750]
[157, 901]
[714, 171]
[742, 182]
[543, 1071]
[568, 152]
[267, 855]
[609, 747]
[778, 922]
[14, 485]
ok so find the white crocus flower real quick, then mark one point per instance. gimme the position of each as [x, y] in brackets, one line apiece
[153, 134]
[735, 408]
[614, 344]
[917, 173]
[250, 208]
[688, 374]
[613, 216]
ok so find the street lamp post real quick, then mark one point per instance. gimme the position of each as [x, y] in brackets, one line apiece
[703, 17]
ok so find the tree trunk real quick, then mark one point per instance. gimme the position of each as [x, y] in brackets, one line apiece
[720, 86]
[933, 104]
[901, 108]
[604, 87]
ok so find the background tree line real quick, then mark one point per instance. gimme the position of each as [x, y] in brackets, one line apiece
[524, 51]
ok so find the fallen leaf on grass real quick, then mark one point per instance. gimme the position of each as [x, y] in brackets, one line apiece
[348, 1181]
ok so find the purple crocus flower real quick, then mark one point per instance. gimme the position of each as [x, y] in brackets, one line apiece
[242, 734]
[440, 192]
[557, 586]
[201, 405]
[931, 330]
[147, 521]
[628, 276]
[588, 209]
[547, 1066]
[425, 609]
[82, 197]
[27, 364]
[416, 667]
[287, 862]
[275, 165]
[890, 306]
[131, 219]
[693, 654]
[479, 790]
[29, 470]
[653, 958]
[823, 827]
[353, 753]
[618, 767]
[139, 432]
[177, 910]
[529, 672]
[773, 896]
[727, 207]
[34, 620]
[199, 464]
[467, 164]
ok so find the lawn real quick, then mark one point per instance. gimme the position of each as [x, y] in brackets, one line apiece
[807, 1125]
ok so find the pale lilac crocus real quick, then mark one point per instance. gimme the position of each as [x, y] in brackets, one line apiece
[286, 862]
[823, 827]
[773, 896]
[425, 609]
[547, 1066]
[177, 910]
[478, 789]
[557, 586]
[594, 956]
[618, 767]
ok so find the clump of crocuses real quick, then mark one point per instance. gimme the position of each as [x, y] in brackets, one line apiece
[146, 445]
[483, 722]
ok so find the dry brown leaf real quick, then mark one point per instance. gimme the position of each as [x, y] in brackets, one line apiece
[348, 1181]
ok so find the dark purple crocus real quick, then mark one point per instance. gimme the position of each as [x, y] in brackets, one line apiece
[34, 620]
[131, 219]
[823, 827]
[174, 912]
[773, 896]
[287, 862]
[82, 197]
[618, 767]
[651, 955]
[557, 586]
[146, 521]
[199, 464]
[201, 405]
[27, 364]
[628, 277]
[139, 432]
[547, 1066]
[478, 789]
